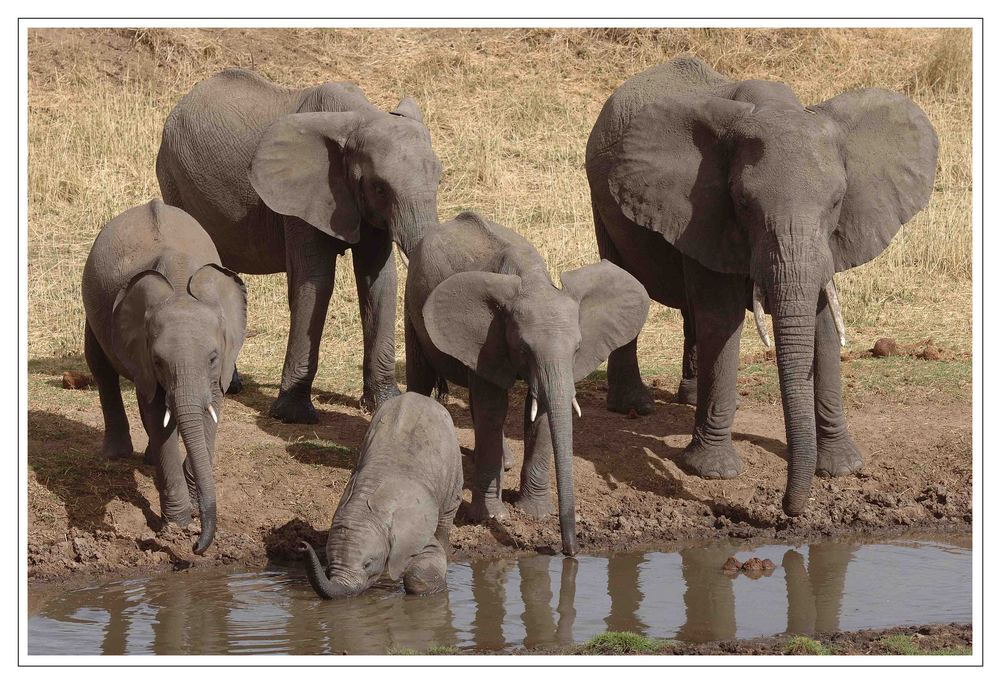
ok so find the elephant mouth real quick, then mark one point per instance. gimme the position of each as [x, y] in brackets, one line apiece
[830, 291]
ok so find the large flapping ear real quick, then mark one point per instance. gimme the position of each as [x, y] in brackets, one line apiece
[412, 515]
[299, 169]
[672, 176]
[222, 288]
[613, 308]
[891, 155]
[129, 334]
[464, 318]
[409, 108]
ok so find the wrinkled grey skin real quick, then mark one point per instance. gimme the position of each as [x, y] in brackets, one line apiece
[285, 181]
[702, 186]
[163, 313]
[481, 311]
[398, 507]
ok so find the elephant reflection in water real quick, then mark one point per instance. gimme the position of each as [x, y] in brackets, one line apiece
[542, 627]
[626, 597]
[814, 594]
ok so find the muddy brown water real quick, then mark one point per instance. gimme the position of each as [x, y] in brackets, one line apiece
[527, 602]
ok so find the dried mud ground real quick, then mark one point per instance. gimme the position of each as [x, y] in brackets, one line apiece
[912, 418]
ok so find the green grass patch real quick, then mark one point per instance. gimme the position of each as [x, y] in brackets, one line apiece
[620, 643]
[901, 644]
[432, 650]
[803, 645]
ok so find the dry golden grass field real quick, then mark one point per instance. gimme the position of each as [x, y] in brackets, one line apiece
[509, 112]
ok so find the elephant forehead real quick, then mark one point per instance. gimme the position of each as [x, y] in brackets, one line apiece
[183, 318]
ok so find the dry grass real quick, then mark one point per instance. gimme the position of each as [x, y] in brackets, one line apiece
[510, 111]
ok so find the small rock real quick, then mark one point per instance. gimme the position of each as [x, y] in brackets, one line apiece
[76, 380]
[731, 565]
[930, 352]
[884, 347]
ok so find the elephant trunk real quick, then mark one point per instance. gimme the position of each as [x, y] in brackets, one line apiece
[411, 219]
[558, 392]
[794, 319]
[321, 583]
[191, 414]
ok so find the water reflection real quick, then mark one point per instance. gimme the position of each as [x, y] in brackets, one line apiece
[533, 601]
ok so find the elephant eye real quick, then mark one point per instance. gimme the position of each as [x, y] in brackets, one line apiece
[213, 357]
[379, 188]
[368, 564]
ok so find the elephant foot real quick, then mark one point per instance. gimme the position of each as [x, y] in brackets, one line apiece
[632, 399]
[295, 408]
[537, 506]
[236, 383]
[427, 576]
[371, 399]
[485, 508]
[687, 392]
[837, 457]
[712, 462]
[117, 448]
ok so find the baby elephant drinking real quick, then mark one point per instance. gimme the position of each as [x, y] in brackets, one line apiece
[163, 313]
[396, 512]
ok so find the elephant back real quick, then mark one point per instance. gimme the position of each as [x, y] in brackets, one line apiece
[682, 75]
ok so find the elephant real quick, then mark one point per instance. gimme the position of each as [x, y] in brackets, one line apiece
[723, 195]
[286, 181]
[481, 311]
[161, 311]
[397, 509]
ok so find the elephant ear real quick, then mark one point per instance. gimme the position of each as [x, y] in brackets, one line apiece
[129, 334]
[412, 515]
[613, 308]
[891, 155]
[672, 176]
[465, 319]
[409, 108]
[224, 290]
[299, 169]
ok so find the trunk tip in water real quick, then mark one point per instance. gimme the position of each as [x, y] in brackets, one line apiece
[207, 531]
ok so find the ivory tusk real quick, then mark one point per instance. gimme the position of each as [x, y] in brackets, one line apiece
[758, 315]
[211, 411]
[402, 257]
[534, 408]
[838, 319]
[166, 417]
[576, 407]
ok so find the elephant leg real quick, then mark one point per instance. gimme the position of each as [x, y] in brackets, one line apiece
[375, 274]
[508, 457]
[626, 391]
[535, 497]
[490, 403]
[717, 301]
[687, 391]
[163, 452]
[836, 453]
[420, 374]
[117, 439]
[427, 573]
[311, 261]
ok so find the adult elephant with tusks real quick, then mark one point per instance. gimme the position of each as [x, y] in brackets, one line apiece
[720, 195]
[285, 180]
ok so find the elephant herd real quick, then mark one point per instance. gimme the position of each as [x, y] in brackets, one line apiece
[709, 195]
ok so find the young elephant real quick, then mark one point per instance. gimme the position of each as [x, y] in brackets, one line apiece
[396, 512]
[163, 313]
[482, 311]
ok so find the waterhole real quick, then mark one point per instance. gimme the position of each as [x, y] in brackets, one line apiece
[528, 602]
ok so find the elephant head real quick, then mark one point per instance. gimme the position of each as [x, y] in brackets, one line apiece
[503, 327]
[785, 195]
[372, 533]
[181, 347]
[335, 170]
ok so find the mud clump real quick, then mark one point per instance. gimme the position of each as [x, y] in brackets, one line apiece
[885, 347]
[753, 568]
[76, 380]
[930, 352]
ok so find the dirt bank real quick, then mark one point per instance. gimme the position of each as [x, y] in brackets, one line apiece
[277, 482]
[931, 639]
